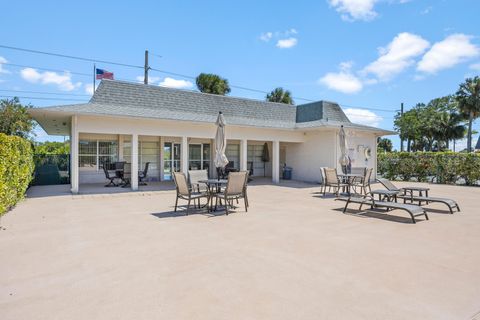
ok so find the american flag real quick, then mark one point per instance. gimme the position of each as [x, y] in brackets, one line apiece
[103, 74]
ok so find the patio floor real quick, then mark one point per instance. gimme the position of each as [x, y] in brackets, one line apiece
[294, 255]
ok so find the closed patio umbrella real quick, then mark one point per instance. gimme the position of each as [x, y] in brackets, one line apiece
[265, 156]
[344, 159]
[220, 160]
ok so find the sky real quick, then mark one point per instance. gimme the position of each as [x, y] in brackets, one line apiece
[367, 55]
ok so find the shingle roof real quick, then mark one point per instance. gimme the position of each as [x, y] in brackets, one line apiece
[119, 98]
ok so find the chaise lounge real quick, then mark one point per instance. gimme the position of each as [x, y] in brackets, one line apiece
[407, 194]
[413, 210]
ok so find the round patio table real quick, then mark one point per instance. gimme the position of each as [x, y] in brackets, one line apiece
[214, 186]
[349, 178]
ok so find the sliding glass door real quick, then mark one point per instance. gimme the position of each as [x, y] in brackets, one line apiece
[171, 159]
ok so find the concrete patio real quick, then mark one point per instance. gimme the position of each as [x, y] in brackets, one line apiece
[294, 255]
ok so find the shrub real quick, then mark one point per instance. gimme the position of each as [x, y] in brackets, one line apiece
[442, 167]
[16, 168]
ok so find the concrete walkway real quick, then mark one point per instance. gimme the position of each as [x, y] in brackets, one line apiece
[294, 255]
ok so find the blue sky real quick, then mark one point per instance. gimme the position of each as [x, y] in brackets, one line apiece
[360, 53]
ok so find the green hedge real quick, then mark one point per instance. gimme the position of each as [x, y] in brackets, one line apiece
[16, 168]
[440, 167]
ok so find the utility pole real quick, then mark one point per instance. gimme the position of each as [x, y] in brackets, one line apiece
[146, 68]
[401, 114]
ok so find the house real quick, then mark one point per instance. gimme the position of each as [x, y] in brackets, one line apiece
[173, 130]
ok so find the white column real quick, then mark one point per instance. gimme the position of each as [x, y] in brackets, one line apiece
[276, 161]
[184, 155]
[120, 147]
[74, 156]
[161, 162]
[134, 165]
[243, 155]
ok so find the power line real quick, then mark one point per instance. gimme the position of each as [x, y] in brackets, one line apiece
[153, 69]
[46, 69]
[52, 93]
[42, 98]
[55, 70]
[71, 57]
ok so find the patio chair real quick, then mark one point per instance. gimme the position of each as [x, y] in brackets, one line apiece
[142, 175]
[230, 167]
[364, 182]
[413, 210]
[332, 180]
[250, 170]
[184, 192]
[195, 176]
[110, 175]
[322, 181]
[236, 189]
[407, 194]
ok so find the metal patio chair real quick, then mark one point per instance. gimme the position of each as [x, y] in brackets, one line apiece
[142, 175]
[184, 192]
[236, 189]
[332, 180]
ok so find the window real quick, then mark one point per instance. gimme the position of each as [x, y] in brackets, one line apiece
[233, 155]
[107, 152]
[254, 156]
[87, 155]
[148, 151]
[199, 156]
[93, 154]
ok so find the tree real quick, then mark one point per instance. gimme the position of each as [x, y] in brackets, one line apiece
[468, 98]
[212, 83]
[14, 118]
[431, 127]
[52, 147]
[408, 124]
[384, 145]
[280, 95]
[449, 123]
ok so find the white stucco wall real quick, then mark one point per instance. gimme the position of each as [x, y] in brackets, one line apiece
[317, 150]
[322, 149]
[304, 151]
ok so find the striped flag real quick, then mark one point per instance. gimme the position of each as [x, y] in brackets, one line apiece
[103, 74]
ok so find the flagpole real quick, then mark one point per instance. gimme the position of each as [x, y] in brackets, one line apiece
[94, 74]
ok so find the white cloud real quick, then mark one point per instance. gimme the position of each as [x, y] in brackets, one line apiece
[475, 66]
[343, 81]
[362, 116]
[285, 39]
[397, 56]
[355, 9]
[266, 36]
[447, 53]
[151, 79]
[287, 43]
[174, 83]
[427, 10]
[63, 81]
[3, 60]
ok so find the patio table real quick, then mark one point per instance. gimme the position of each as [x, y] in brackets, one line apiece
[349, 178]
[382, 194]
[410, 191]
[213, 186]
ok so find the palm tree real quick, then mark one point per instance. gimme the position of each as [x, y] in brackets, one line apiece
[280, 95]
[468, 98]
[212, 83]
[451, 127]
